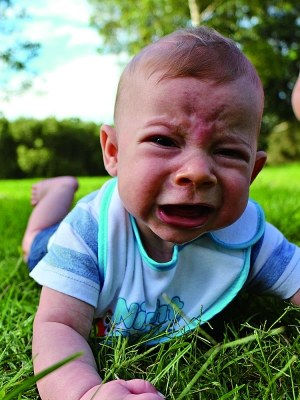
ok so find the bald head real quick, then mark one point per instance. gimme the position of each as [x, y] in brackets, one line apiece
[200, 53]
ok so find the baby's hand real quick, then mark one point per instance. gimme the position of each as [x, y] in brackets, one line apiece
[136, 389]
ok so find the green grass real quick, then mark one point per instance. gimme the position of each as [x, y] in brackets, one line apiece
[277, 189]
[249, 351]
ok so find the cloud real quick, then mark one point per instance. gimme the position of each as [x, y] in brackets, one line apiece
[83, 88]
[84, 36]
[77, 11]
[50, 21]
[73, 81]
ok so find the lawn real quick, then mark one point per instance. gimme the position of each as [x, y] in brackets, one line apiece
[249, 351]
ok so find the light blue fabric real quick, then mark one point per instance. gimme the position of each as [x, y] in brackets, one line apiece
[198, 273]
[268, 275]
[39, 247]
[103, 230]
[130, 315]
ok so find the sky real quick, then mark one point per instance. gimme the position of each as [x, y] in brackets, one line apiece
[73, 80]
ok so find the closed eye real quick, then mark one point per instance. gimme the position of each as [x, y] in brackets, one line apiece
[163, 141]
[231, 153]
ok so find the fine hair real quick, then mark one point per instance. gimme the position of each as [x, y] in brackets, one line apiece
[198, 52]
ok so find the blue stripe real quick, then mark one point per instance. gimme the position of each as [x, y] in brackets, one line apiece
[39, 246]
[73, 261]
[274, 267]
[255, 249]
[85, 226]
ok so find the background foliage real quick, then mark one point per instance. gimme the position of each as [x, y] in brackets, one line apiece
[32, 148]
[267, 31]
[16, 52]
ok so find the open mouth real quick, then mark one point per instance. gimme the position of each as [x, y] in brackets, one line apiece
[188, 216]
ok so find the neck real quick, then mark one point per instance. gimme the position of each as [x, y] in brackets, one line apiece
[159, 250]
[157, 254]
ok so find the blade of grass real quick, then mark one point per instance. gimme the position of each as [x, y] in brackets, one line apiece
[170, 365]
[233, 391]
[215, 351]
[278, 375]
[31, 381]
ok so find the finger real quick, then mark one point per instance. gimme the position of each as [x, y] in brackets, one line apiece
[136, 389]
[140, 386]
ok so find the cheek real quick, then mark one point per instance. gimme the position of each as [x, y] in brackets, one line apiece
[139, 191]
[236, 193]
[238, 181]
[133, 191]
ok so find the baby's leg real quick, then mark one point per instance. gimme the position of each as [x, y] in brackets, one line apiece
[52, 200]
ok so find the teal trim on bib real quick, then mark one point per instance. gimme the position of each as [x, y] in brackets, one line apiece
[234, 289]
[234, 237]
[217, 307]
[103, 229]
[149, 261]
[245, 232]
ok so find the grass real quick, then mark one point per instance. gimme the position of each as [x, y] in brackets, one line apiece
[249, 351]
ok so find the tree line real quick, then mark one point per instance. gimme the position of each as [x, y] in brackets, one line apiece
[33, 148]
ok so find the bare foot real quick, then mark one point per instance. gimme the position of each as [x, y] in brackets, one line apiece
[40, 189]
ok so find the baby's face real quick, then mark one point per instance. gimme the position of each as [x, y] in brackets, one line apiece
[186, 156]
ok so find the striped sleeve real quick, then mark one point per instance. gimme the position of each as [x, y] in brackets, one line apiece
[275, 265]
[71, 265]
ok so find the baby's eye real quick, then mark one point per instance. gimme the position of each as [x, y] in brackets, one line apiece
[163, 141]
[231, 153]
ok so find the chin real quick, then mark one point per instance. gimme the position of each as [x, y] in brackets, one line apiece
[179, 239]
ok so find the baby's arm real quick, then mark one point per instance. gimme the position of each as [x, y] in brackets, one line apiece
[296, 98]
[296, 298]
[61, 328]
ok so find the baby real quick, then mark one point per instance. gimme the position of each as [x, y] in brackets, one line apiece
[175, 228]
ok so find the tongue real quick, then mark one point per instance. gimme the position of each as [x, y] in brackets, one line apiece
[185, 211]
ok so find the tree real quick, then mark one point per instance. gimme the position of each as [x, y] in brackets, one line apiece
[128, 26]
[267, 31]
[8, 153]
[15, 53]
[269, 34]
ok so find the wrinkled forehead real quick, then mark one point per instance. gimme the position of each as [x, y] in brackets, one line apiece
[168, 59]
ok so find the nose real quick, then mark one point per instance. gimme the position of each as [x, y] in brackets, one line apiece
[196, 170]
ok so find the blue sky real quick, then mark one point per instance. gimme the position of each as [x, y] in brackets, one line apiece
[73, 79]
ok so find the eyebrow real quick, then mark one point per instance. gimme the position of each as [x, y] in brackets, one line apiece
[158, 121]
[172, 127]
[180, 128]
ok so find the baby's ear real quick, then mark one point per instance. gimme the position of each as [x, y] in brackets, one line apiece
[260, 160]
[109, 144]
